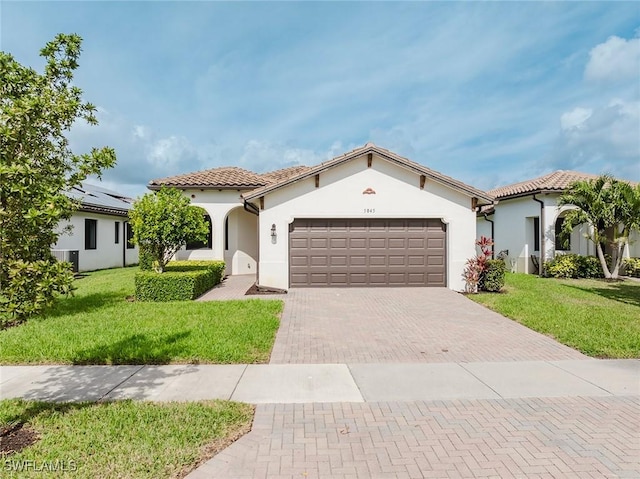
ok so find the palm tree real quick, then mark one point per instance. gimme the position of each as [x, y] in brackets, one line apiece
[606, 204]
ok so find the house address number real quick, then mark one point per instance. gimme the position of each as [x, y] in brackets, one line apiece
[369, 210]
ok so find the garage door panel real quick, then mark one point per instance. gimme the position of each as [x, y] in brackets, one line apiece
[416, 260]
[319, 261]
[416, 243]
[299, 243]
[319, 243]
[435, 243]
[299, 260]
[378, 260]
[338, 279]
[377, 243]
[434, 260]
[337, 260]
[416, 278]
[358, 260]
[358, 279]
[337, 243]
[398, 279]
[377, 278]
[367, 252]
[397, 243]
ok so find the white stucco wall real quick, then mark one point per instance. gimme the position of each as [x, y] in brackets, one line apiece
[633, 249]
[398, 195]
[242, 255]
[107, 254]
[514, 230]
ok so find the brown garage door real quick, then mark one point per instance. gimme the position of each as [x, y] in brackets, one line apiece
[367, 252]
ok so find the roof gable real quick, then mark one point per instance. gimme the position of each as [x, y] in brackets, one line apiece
[381, 152]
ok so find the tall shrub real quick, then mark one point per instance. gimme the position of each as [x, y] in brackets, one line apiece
[37, 168]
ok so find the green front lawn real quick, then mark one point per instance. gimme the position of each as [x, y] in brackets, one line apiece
[122, 439]
[599, 318]
[100, 325]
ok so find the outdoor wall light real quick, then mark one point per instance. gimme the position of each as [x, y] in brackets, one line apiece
[274, 235]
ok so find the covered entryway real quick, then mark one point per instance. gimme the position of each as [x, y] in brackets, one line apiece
[367, 252]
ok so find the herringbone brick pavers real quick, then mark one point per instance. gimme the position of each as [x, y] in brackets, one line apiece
[532, 438]
[369, 325]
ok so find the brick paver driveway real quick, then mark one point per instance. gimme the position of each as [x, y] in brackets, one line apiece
[517, 438]
[369, 325]
[529, 437]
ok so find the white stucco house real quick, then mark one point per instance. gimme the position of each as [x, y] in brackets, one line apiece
[99, 231]
[366, 218]
[525, 222]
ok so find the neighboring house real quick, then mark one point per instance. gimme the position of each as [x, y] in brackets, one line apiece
[366, 218]
[526, 219]
[100, 231]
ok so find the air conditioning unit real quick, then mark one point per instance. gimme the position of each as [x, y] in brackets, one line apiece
[68, 255]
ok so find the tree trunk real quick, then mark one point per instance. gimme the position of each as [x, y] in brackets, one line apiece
[615, 274]
[603, 261]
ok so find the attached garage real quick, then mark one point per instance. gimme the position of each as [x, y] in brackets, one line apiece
[367, 252]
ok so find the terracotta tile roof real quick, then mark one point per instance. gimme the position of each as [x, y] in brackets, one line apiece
[556, 181]
[371, 148]
[284, 173]
[225, 177]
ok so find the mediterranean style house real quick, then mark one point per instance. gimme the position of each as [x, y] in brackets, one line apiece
[526, 220]
[98, 235]
[366, 218]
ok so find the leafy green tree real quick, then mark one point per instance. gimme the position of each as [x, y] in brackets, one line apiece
[165, 221]
[37, 167]
[611, 208]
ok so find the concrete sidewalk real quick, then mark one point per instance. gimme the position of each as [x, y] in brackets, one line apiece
[325, 383]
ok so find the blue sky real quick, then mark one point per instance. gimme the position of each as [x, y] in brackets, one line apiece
[489, 93]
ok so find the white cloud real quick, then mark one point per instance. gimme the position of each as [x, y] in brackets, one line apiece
[169, 153]
[140, 131]
[262, 156]
[607, 140]
[615, 60]
[575, 118]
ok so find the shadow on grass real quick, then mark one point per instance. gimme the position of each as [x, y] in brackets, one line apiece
[83, 304]
[64, 389]
[622, 291]
[136, 349]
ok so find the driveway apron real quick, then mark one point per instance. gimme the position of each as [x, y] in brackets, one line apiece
[402, 325]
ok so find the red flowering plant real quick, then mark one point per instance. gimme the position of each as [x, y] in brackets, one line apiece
[476, 266]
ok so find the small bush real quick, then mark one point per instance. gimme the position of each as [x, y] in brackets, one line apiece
[492, 278]
[574, 266]
[181, 281]
[589, 267]
[632, 267]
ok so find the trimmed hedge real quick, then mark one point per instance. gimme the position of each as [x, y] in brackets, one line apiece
[631, 267]
[181, 281]
[145, 260]
[492, 278]
[574, 266]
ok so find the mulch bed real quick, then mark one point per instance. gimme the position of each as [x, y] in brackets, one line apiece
[15, 438]
[255, 289]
